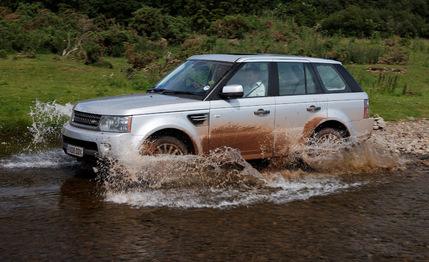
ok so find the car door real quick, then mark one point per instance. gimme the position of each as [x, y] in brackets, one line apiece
[245, 123]
[300, 106]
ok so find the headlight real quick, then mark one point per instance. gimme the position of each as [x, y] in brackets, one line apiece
[120, 124]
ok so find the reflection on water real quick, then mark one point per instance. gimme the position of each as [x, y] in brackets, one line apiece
[61, 214]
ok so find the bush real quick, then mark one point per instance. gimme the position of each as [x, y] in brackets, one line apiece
[232, 26]
[149, 21]
[113, 40]
[352, 21]
[395, 56]
[361, 53]
[154, 24]
[92, 52]
[302, 12]
[3, 54]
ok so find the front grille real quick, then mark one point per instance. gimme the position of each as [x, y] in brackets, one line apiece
[82, 143]
[86, 120]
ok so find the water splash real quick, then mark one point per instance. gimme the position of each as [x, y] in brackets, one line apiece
[54, 158]
[221, 179]
[47, 120]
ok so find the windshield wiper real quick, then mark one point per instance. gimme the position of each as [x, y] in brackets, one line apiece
[173, 92]
[155, 90]
[170, 92]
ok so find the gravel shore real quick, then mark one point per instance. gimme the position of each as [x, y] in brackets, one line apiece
[405, 137]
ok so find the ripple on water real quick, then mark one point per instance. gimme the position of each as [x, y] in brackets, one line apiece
[53, 158]
[278, 193]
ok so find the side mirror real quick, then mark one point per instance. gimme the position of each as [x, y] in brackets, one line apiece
[232, 91]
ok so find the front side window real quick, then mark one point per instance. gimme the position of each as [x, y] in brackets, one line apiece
[194, 77]
[331, 80]
[254, 79]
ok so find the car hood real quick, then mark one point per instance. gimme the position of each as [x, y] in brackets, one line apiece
[139, 104]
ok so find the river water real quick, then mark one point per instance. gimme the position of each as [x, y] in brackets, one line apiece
[50, 209]
[355, 202]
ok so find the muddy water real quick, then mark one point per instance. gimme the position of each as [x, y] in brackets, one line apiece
[357, 202]
[50, 209]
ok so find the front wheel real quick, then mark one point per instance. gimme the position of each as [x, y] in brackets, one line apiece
[165, 145]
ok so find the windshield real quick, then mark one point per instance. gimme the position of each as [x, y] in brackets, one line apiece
[194, 77]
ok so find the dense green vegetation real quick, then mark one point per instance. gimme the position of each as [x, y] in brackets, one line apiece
[75, 49]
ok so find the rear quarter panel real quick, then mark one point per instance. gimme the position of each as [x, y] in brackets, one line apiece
[346, 106]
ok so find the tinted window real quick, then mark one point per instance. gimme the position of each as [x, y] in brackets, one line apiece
[291, 79]
[295, 79]
[254, 79]
[331, 80]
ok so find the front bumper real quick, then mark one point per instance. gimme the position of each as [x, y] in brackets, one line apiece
[100, 144]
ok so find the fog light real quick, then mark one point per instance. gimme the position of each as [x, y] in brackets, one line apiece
[105, 148]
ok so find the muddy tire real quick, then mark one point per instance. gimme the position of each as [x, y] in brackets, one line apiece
[329, 134]
[165, 145]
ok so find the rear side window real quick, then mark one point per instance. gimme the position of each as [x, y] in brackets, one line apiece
[295, 79]
[331, 79]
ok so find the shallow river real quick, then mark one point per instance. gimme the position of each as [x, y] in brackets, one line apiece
[51, 210]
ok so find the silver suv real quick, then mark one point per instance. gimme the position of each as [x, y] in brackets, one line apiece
[255, 103]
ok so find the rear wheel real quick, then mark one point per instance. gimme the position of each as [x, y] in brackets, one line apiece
[324, 142]
[165, 145]
[329, 135]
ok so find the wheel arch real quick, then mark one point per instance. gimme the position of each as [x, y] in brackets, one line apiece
[177, 133]
[332, 123]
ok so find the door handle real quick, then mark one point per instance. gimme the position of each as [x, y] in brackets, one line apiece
[313, 108]
[261, 112]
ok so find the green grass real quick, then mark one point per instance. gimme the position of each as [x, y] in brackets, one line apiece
[394, 105]
[23, 81]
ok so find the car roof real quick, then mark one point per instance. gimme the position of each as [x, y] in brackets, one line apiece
[260, 58]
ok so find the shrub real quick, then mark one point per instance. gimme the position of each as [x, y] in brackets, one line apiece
[92, 52]
[149, 21]
[231, 26]
[302, 12]
[363, 53]
[113, 40]
[352, 21]
[395, 55]
[3, 54]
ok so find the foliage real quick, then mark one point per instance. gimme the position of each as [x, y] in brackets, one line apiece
[152, 23]
[232, 26]
[3, 54]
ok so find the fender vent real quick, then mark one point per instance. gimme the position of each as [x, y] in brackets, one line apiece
[198, 119]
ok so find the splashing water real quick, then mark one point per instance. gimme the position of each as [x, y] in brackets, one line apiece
[47, 120]
[225, 179]
[349, 155]
[54, 158]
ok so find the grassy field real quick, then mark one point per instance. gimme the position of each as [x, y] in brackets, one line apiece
[45, 78]
[389, 100]
[48, 78]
